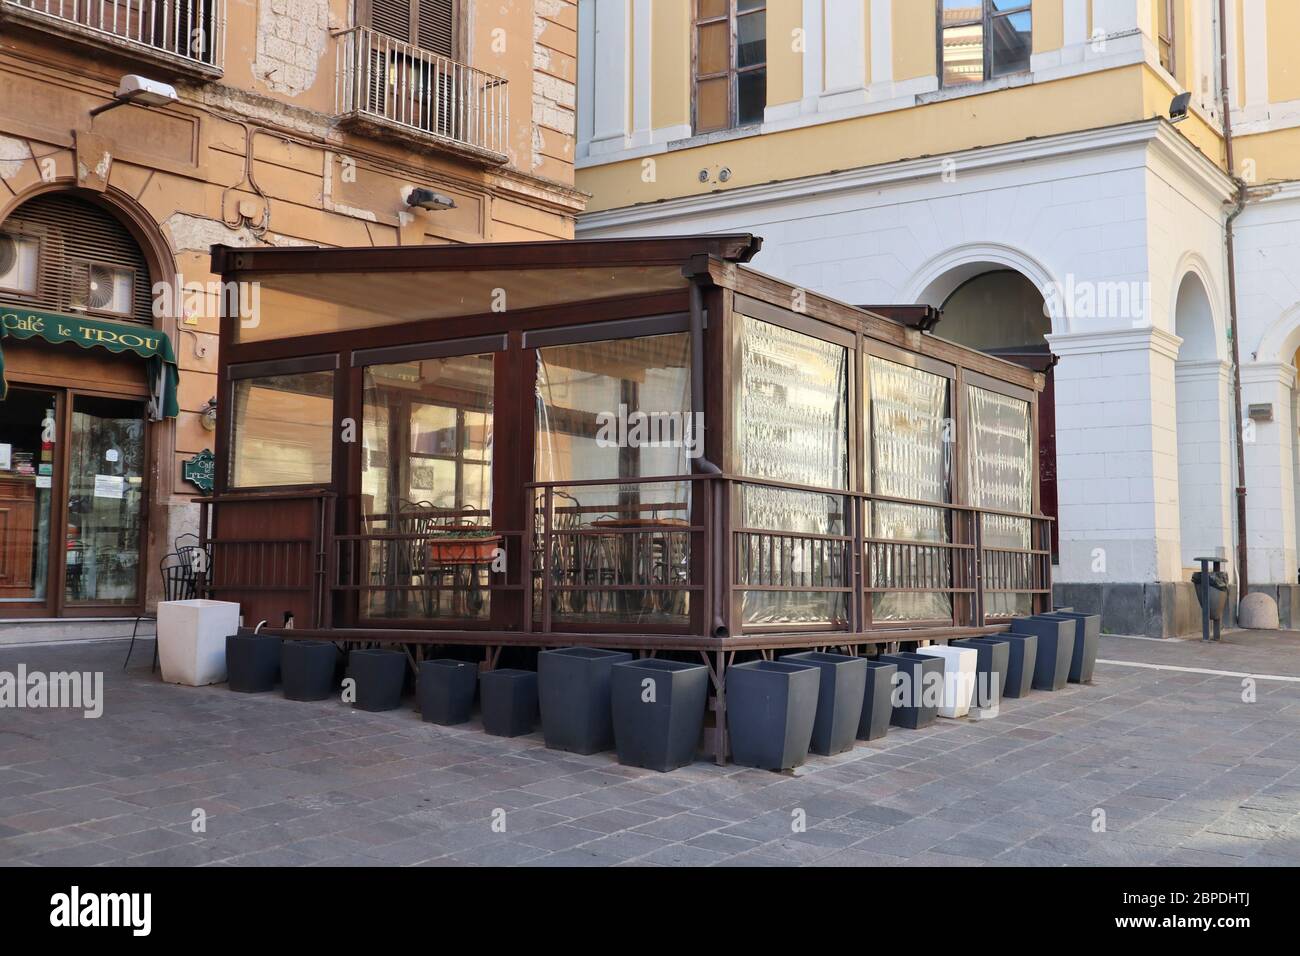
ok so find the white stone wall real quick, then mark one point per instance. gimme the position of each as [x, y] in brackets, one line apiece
[291, 38]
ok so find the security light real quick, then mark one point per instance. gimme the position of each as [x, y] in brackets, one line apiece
[139, 90]
[1178, 108]
[430, 200]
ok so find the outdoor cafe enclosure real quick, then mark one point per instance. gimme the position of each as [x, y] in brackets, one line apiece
[628, 443]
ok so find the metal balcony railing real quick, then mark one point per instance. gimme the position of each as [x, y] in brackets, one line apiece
[184, 32]
[402, 87]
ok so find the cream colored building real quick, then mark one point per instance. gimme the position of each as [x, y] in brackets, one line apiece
[293, 122]
[1017, 164]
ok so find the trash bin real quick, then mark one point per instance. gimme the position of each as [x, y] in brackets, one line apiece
[1218, 591]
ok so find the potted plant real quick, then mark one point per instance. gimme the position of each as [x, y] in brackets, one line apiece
[918, 689]
[379, 675]
[839, 699]
[509, 702]
[877, 701]
[1087, 638]
[1055, 648]
[308, 669]
[573, 689]
[658, 711]
[958, 677]
[771, 709]
[991, 668]
[252, 661]
[445, 690]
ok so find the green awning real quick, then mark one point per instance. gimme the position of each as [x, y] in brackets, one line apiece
[154, 347]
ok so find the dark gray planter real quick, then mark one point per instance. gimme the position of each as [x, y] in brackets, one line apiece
[918, 689]
[771, 709]
[657, 726]
[878, 700]
[252, 662]
[307, 669]
[1022, 660]
[1087, 638]
[508, 699]
[379, 675]
[573, 689]
[839, 699]
[991, 668]
[1055, 648]
[445, 691]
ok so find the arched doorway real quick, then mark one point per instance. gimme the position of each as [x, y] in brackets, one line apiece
[76, 294]
[1000, 311]
[1201, 381]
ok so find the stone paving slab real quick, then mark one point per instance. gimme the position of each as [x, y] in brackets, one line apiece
[1147, 766]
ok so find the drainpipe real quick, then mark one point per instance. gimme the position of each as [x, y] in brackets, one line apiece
[1243, 576]
[717, 534]
[697, 374]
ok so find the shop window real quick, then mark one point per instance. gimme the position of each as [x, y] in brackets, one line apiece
[730, 63]
[983, 39]
[282, 433]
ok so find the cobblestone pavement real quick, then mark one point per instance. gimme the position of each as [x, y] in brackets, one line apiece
[1184, 770]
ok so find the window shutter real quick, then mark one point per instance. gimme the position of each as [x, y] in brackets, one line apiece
[391, 18]
[437, 23]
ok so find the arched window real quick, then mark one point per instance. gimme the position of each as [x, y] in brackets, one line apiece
[63, 253]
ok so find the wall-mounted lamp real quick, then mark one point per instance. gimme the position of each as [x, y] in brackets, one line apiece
[139, 90]
[428, 199]
[1178, 108]
[208, 415]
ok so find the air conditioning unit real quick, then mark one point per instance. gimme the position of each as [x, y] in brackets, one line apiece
[18, 257]
[100, 287]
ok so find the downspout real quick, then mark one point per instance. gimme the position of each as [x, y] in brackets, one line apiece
[702, 464]
[1243, 576]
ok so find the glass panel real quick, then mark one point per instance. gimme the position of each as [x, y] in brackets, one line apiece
[711, 107]
[426, 474]
[751, 96]
[105, 499]
[708, 9]
[963, 55]
[751, 40]
[910, 442]
[715, 49]
[27, 481]
[616, 410]
[1012, 42]
[282, 433]
[1000, 475]
[745, 6]
[792, 416]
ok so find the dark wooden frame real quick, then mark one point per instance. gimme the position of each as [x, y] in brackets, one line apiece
[732, 74]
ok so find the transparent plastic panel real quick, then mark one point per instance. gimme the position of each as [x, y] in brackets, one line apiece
[615, 410]
[1000, 475]
[910, 442]
[792, 426]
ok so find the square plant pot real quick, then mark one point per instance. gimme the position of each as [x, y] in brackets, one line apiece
[1055, 649]
[1022, 661]
[308, 669]
[771, 709]
[991, 669]
[508, 699]
[877, 702]
[959, 665]
[658, 711]
[445, 690]
[839, 699]
[573, 690]
[380, 675]
[918, 689]
[1087, 638]
[252, 662]
[192, 640]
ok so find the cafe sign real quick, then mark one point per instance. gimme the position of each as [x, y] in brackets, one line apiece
[199, 471]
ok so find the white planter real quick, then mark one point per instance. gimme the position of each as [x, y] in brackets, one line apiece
[959, 665]
[192, 640]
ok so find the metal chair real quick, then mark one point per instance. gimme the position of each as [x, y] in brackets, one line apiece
[179, 584]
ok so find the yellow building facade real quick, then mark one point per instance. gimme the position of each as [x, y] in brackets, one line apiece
[137, 134]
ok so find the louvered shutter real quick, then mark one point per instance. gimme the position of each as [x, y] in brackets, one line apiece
[391, 18]
[436, 20]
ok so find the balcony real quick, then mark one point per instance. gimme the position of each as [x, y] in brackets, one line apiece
[178, 38]
[388, 87]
